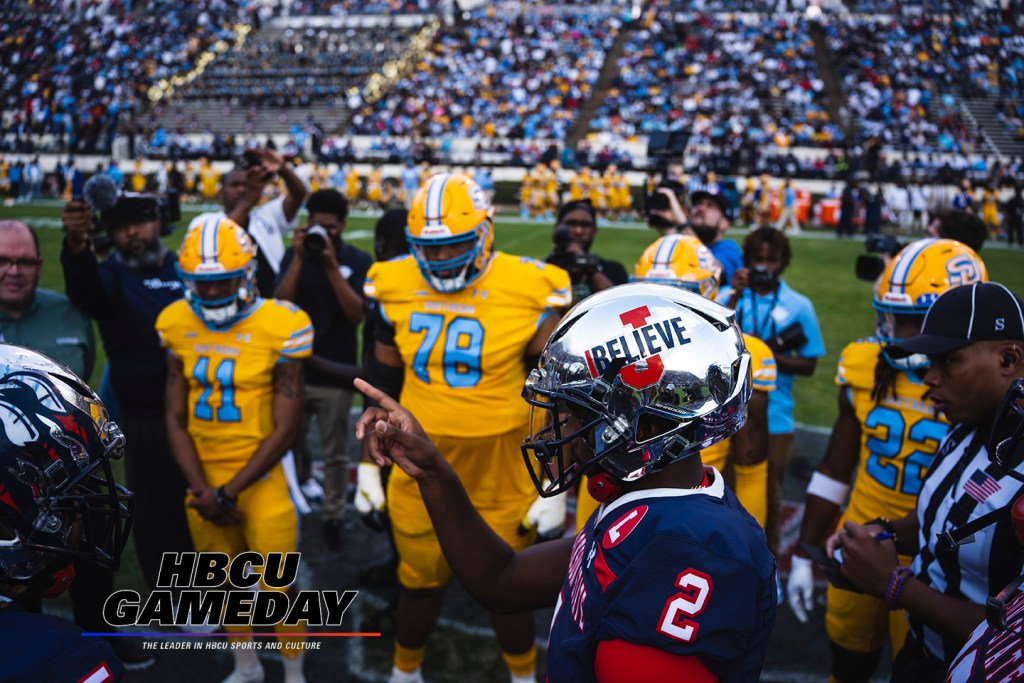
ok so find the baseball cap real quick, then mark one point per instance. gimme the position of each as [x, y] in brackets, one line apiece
[700, 195]
[981, 311]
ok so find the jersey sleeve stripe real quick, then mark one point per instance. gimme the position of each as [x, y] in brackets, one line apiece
[304, 330]
[295, 350]
[305, 339]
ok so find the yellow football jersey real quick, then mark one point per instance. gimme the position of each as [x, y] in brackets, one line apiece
[763, 376]
[230, 372]
[899, 436]
[463, 351]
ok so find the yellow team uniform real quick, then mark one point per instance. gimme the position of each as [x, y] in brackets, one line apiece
[374, 186]
[579, 187]
[352, 185]
[899, 437]
[190, 178]
[596, 193]
[138, 178]
[526, 193]
[209, 182]
[990, 211]
[764, 374]
[230, 397]
[551, 187]
[463, 357]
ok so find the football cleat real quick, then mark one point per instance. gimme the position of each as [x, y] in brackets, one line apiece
[633, 379]
[451, 211]
[217, 264]
[914, 279]
[680, 261]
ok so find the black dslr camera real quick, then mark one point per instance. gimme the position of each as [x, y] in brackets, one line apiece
[762, 278]
[566, 260]
[792, 337]
[657, 201]
[111, 208]
[869, 266]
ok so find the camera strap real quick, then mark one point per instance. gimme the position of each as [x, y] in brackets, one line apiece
[761, 322]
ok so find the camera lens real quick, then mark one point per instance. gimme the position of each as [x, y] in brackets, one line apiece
[316, 239]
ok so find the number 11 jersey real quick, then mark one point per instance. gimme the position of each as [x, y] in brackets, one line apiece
[230, 372]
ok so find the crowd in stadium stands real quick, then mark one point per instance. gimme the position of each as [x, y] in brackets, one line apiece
[77, 78]
[498, 74]
[298, 67]
[731, 80]
[892, 86]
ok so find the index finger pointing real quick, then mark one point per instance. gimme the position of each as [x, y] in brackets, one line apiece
[374, 393]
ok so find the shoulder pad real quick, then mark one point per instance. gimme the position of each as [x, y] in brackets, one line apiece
[857, 363]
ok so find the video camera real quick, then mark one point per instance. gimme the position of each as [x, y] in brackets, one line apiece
[869, 266]
[657, 201]
[566, 260]
[112, 208]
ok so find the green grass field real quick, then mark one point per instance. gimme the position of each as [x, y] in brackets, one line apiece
[822, 269]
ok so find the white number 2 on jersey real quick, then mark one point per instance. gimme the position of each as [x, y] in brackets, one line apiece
[696, 587]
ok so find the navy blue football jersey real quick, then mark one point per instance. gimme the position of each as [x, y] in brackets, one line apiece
[40, 647]
[685, 571]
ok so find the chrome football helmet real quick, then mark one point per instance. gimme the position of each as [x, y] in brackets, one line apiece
[58, 498]
[634, 378]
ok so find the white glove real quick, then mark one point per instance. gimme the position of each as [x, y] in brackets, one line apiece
[370, 499]
[547, 515]
[800, 587]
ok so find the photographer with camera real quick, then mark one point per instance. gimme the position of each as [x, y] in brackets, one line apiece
[241, 192]
[709, 221]
[324, 276]
[663, 208]
[571, 241]
[771, 310]
[124, 293]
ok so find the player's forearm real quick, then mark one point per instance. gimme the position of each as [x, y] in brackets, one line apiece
[295, 189]
[267, 454]
[185, 454]
[819, 521]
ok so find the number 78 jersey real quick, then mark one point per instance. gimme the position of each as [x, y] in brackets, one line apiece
[899, 436]
[463, 351]
[230, 372]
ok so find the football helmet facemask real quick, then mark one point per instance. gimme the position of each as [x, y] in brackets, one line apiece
[451, 210]
[58, 498]
[633, 379]
[218, 250]
[680, 261]
[914, 279]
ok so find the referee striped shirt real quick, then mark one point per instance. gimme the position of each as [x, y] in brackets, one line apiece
[962, 485]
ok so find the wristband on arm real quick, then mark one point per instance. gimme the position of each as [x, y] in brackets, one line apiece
[824, 486]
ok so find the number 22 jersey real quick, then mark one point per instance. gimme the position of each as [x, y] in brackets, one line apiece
[686, 571]
[899, 436]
